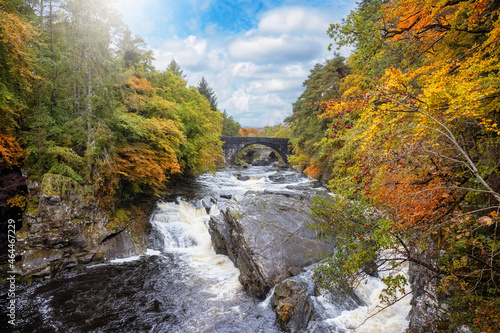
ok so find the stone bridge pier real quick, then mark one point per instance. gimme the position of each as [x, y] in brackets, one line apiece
[233, 144]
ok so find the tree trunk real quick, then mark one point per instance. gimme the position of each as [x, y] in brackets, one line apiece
[41, 29]
[88, 107]
[51, 30]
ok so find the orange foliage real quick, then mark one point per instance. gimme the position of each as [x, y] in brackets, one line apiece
[412, 200]
[428, 21]
[138, 94]
[313, 171]
[18, 201]
[249, 132]
[16, 34]
[140, 164]
[10, 151]
[141, 85]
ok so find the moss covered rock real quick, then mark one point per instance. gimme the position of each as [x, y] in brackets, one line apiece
[65, 226]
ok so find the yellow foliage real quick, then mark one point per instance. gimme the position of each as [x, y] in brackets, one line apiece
[10, 150]
[18, 201]
[140, 164]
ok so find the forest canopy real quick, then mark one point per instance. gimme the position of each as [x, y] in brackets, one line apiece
[408, 128]
[79, 97]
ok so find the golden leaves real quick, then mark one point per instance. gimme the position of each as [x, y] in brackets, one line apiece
[138, 163]
[11, 152]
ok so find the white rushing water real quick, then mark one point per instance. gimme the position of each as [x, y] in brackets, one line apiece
[182, 286]
[373, 318]
[183, 229]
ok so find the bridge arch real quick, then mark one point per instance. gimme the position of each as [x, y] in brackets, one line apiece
[234, 144]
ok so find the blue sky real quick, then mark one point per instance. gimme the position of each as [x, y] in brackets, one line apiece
[254, 54]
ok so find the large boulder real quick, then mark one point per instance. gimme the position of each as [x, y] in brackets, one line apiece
[266, 236]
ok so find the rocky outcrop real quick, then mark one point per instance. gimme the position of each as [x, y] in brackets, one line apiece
[64, 226]
[290, 301]
[266, 236]
[428, 307]
[301, 308]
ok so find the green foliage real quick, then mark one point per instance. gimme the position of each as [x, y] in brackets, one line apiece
[207, 91]
[360, 234]
[230, 127]
[80, 99]
[176, 69]
[306, 129]
[276, 131]
[200, 125]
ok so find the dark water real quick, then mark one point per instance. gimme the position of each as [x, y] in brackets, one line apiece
[181, 285]
[153, 294]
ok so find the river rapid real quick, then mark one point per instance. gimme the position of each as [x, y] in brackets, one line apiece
[181, 284]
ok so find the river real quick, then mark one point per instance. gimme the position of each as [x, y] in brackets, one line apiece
[181, 284]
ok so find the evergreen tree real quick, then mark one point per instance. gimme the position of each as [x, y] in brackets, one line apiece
[131, 49]
[176, 70]
[207, 91]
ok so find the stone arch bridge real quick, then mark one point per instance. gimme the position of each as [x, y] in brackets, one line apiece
[233, 144]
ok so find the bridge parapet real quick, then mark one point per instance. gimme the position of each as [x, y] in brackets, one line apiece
[233, 144]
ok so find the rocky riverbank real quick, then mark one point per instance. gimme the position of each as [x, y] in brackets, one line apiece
[64, 226]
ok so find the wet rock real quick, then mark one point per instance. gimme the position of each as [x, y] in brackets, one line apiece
[291, 304]
[300, 187]
[221, 237]
[206, 203]
[277, 178]
[295, 270]
[242, 178]
[265, 234]
[65, 226]
[300, 308]
[426, 312]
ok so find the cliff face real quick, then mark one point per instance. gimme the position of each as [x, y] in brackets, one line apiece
[64, 226]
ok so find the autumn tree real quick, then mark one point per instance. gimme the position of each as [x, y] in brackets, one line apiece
[307, 130]
[200, 125]
[17, 76]
[412, 145]
[249, 132]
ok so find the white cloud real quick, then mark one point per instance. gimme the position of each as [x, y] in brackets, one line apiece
[297, 20]
[256, 74]
[190, 53]
[269, 49]
[239, 102]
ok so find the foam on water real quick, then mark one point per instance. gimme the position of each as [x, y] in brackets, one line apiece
[375, 317]
[184, 230]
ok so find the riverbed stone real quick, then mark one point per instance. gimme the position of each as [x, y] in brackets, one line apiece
[266, 234]
[291, 304]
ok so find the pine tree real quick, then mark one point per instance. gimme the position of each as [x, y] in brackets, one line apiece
[176, 70]
[207, 91]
